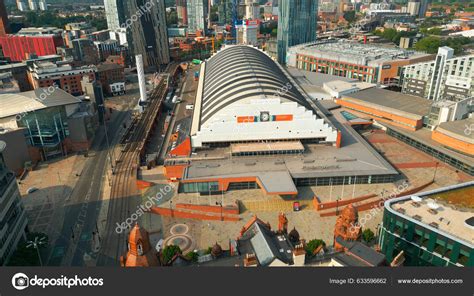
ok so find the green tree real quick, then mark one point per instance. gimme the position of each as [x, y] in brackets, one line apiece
[193, 256]
[169, 252]
[312, 245]
[429, 44]
[350, 16]
[368, 235]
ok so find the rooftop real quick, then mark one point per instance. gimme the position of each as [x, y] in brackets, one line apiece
[396, 102]
[445, 210]
[423, 136]
[353, 52]
[457, 129]
[355, 158]
[18, 103]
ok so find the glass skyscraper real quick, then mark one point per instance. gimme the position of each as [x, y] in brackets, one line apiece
[297, 23]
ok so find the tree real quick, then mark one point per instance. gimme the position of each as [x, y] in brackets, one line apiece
[368, 235]
[429, 44]
[192, 256]
[169, 252]
[312, 245]
[350, 16]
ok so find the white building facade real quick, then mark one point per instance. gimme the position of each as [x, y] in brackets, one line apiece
[445, 78]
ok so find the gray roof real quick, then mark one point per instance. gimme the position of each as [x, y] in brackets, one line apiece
[315, 78]
[458, 129]
[18, 103]
[239, 73]
[358, 254]
[267, 245]
[394, 101]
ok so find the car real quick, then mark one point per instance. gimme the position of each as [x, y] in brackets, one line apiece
[189, 107]
[31, 190]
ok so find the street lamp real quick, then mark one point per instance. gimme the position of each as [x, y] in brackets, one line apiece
[36, 244]
[220, 204]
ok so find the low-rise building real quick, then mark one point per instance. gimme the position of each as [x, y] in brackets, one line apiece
[44, 117]
[434, 228]
[112, 78]
[64, 76]
[368, 63]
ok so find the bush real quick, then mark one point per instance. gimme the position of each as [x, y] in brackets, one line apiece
[169, 252]
[312, 245]
[192, 256]
[368, 235]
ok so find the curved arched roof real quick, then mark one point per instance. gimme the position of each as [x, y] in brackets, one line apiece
[242, 72]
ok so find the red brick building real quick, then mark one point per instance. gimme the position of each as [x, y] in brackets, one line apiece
[110, 73]
[66, 77]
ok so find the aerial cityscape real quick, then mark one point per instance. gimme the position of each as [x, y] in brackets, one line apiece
[236, 133]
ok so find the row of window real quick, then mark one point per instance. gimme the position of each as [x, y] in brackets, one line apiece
[433, 152]
[413, 238]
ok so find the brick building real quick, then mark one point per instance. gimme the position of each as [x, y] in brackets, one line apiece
[66, 77]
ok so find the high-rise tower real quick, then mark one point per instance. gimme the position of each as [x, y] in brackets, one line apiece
[297, 23]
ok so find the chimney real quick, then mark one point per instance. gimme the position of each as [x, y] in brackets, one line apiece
[299, 255]
[250, 260]
[141, 78]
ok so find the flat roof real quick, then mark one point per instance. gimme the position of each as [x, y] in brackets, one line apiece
[303, 77]
[264, 147]
[457, 129]
[392, 101]
[343, 50]
[18, 103]
[355, 158]
[423, 136]
[439, 214]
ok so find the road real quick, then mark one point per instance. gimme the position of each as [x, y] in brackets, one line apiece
[125, 196]
[74, 242]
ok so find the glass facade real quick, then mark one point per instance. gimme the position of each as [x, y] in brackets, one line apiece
[46, 129]
[421, 246]
[297, 23]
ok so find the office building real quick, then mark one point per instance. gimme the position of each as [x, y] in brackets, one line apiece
[365, 62]
[13, 222]
[197, 15]
[182, 11]
[297, 24]
[247, 33]
[447, 77]
[148, 35]
[434, 228]
[252, 9]
[226, 10]
[413, 8]
[4, 25]
[115, 13]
